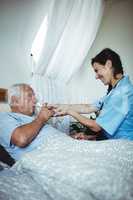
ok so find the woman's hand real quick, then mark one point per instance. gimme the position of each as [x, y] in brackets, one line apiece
[61, 110]
[82, 136]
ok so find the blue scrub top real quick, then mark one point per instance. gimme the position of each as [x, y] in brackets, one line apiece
[116, 116]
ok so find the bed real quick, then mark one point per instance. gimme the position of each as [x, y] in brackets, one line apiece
[63, 168]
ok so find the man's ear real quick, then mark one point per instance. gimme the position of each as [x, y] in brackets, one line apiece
[109, 64]
[14, 100]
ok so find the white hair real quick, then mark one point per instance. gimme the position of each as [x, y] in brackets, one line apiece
[14, 90]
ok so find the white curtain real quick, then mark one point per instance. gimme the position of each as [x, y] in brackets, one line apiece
[71, 29]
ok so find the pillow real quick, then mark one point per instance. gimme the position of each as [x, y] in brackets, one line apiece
[4, 107]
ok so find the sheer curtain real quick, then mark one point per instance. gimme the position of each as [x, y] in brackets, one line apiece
[71, 29]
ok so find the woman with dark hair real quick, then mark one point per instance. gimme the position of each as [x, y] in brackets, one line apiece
[107, 55]
[115, 119]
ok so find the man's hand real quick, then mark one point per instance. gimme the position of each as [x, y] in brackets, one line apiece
[45, 113]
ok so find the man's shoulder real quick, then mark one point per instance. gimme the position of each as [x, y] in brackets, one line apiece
[3, 114]
[11, 119]
[6, 115]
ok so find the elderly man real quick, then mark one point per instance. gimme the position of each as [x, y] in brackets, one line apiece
[20, 132]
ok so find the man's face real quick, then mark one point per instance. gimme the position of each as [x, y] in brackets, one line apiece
[26, 101]
[103, 72]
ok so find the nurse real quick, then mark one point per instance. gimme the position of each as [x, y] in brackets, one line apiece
[115, 119]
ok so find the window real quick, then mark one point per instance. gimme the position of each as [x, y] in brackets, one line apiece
[39, 40]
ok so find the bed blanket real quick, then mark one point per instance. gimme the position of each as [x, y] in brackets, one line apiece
[67, 169]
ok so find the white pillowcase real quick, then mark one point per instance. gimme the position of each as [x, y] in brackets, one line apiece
[4, 107]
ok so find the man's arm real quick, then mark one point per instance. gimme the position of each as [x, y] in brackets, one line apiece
[23, 135]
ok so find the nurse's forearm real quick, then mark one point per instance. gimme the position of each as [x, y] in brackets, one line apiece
[85, 121]
[83, 108]
[80, 108]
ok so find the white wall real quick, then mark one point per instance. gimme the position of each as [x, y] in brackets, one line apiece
[19, 21]
[116, 32]
[18, 16]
